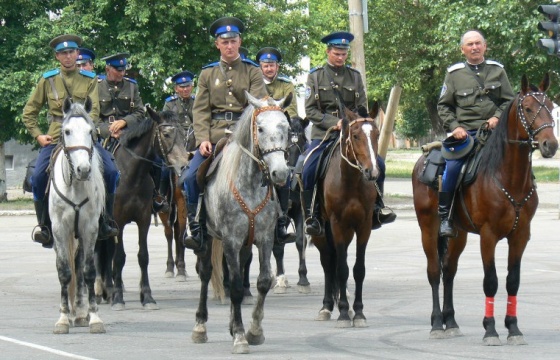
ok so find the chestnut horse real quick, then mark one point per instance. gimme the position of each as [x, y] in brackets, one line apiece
[499, 204]
[347, 195]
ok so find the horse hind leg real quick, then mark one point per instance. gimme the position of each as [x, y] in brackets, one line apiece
[81, 309]
[204, 268]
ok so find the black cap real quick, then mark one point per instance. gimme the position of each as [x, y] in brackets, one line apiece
[227, 27]
[118, 61]
[269, 54]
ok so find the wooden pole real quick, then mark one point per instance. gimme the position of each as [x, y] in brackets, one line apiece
[355, 12]
[389, 122]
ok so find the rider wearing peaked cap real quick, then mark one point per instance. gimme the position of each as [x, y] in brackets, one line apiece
[54, 86]
[85, 59]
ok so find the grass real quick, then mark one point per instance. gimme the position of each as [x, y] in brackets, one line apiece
[17, 204]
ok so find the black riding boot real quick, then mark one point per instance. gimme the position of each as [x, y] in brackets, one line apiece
[107, 225]
[380, 217]
[43, 235]
[446, 226]
[197, 240]
[159, 203]
[313, 221]
[282, 236]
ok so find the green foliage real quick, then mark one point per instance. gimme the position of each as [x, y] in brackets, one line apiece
[413, 123]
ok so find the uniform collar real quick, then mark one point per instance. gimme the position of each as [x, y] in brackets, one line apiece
[335, 69]
[234, 62]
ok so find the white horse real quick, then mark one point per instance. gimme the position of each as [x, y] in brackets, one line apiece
[242, 209]
[76, 198]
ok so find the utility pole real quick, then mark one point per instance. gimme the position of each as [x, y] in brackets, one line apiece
[357, 19]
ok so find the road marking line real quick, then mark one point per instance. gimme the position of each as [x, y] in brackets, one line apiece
[44, 348]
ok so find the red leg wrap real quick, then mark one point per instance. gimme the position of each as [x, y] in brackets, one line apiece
[511, 306]
[489, 307]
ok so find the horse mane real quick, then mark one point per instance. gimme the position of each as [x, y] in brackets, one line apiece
[496, 143]
[133, 132]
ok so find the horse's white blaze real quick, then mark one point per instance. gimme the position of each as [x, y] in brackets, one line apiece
[78, 137]
[367, 129]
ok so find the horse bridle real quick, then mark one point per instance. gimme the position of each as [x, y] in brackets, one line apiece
[157, 135]
[350, 145]
[528, 126]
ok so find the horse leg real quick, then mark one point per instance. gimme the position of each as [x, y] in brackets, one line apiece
[328, 258]
[80, 309]
[449, 269]
[146, 298]
[281, 285]
[168, 231]
[359, 273]
[95, 323]
[237, 331]
[62, 326]
[255, 335]
[179, 229]
[516, 248]
[341, 275]
[303, 283]
[226, 281]
[490, 285]
[119, 259]
[204, 269]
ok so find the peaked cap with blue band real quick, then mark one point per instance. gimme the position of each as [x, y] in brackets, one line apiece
[227, 27]
[453, 149]
[85, 56]
[65, 42]
[339, 39]
[184, 78]
[269, 54]
[118, 61]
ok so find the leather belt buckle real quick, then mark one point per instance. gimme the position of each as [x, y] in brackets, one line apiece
[228, 116]
[335, 113]
[111, 119]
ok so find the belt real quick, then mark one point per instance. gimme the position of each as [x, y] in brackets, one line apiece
[57, 119]
[108, 119]
[228, 115]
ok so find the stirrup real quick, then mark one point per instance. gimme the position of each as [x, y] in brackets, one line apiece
[313, 227]
[43, 236]
[446, 229]
[160, 206]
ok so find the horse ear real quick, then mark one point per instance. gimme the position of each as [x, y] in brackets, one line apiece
[374, 111]
[350, 115]
[287, 101]
[362, 111]
[88, 105]
[524, 84]
[252, 100]
[153, 114]
[67, 104]
[545, 83]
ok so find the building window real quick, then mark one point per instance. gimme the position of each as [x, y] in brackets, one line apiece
[9, 161]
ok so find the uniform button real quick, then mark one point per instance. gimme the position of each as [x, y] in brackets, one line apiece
[230, 105]
[230, 68]
[229, 93]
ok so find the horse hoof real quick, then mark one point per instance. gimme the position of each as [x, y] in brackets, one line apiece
[304, 289]
[438, 334]
[117, 307]
[324, 315]
[342, 324]
[360, 323]
[61, 329]
[199, 335]
[492, 341]
[248, 300]
[150, 306]
[453, 332]
[240, 345]
[97, 328]
[253, 339]
[181, 278]
[81, 322]
[280, 290]
[516, 340]
[169, 274]
[98, 299]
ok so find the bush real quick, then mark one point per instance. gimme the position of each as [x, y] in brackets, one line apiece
[413, 124]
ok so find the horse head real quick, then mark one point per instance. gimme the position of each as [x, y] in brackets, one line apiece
[359, 137]
[76, 137]
[269, 134]
[297, 139]
[534, 109]
[170, 139]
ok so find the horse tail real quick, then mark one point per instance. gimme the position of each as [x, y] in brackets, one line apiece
[72, 287]
[217, 278]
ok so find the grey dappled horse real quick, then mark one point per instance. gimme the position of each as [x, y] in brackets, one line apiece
[242, 209]
[76, 198]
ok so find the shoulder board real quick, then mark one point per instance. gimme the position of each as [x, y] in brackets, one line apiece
[283, 78]
[315, 69]
[351, 68]
[251, 62]
[171, 98]
[101, 77]
[214, 64]
[89, 74]
[131, 80]
[456, 67]
[492, 62]
[51, 73]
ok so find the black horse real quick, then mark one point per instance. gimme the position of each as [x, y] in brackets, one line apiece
[161, 135]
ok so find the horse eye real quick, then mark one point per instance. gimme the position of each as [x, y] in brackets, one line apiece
[355, 137]
[260, 129]
[529, 110]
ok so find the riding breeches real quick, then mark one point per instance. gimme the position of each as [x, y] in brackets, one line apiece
[452, 170]
[40, 178]
[190, 184]
[309, 173]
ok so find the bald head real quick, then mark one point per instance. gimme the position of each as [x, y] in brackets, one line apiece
[473, 46]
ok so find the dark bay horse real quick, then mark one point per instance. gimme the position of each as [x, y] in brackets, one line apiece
[347, 198]
[159, 134]
[499, 204]
[242, 209]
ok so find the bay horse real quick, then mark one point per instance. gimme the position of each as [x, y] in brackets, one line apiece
[499, 204]
[242, 208]
[159, 134]
[347, 196]
[76, 198]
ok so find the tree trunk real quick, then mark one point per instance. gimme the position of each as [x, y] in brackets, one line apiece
[3, 192]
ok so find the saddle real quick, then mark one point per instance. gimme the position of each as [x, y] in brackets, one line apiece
[325, 157]
[208, 168]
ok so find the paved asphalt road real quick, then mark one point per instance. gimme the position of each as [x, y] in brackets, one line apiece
[397, 303]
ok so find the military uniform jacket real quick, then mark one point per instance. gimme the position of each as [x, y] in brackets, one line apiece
[80, 83]
[279, 88]
[119, 101]
[181, 107]
[215, 96]
[321, 99]
[468, 102]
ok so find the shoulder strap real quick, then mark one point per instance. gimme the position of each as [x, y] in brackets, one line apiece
[356, 76]
[53, 88]
[131, 96]
[316, 86]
